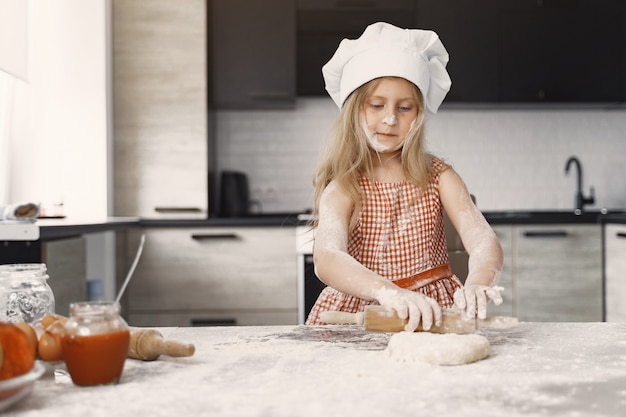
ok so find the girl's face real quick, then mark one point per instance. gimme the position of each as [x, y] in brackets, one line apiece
[389, 112]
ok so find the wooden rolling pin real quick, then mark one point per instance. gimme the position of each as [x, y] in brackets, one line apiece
[380, 319]
[149, 344]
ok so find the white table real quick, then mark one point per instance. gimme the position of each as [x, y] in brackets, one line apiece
[555, 369]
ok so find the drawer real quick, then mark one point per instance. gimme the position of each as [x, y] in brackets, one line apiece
[215, 269]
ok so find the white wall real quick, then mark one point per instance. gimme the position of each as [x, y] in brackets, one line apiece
[515, 159]
[14, 37]
[511, 159]
[7, 83]
[58, 137]
[13, 67]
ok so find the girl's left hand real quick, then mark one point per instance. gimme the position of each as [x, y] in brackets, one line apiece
[472, 299]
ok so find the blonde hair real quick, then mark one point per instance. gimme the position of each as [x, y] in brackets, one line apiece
[347, 155]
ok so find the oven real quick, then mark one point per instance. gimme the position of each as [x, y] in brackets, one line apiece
[309, 285]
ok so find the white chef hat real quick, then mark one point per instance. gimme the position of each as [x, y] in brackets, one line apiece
[386, 50]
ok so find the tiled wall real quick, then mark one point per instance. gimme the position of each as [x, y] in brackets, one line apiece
[510, 159]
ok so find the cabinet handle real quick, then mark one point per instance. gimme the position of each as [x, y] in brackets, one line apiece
[270, 95]
[213, 322]
[556, 3]
[177, 209]
[546, 233]
[621, 235]
[359, 4]
[214, 236]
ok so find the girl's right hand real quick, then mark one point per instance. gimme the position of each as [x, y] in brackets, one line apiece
[412, 305]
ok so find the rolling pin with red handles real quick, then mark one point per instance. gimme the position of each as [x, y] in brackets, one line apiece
[381, 319]
[149, 345]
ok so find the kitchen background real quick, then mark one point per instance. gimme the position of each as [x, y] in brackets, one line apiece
[127, 107]
[65, 142]
[510, 158]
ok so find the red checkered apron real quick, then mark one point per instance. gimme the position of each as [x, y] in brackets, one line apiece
[400, 236]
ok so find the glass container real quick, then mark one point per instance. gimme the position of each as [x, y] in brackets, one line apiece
[24, 293]
[95, 343]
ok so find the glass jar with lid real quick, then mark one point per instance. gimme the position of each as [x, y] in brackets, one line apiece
[24, 293]
[95, 342]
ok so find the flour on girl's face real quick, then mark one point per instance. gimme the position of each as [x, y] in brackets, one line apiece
[390, 120]
[372, 137]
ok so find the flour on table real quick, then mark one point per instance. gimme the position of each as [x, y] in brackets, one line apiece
[498, 322]
[437, 349]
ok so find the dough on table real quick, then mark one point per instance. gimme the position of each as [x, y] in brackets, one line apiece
[437, 349]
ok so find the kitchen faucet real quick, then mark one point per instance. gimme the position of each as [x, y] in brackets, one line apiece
[581, 200]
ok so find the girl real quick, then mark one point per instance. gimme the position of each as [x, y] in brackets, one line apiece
[379, 196]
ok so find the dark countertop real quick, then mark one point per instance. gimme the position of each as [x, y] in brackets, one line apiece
[554, 216]
[269, 219]
[51, 229]
[614, 218]
[550, 216]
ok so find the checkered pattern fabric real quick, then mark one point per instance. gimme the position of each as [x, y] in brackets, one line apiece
[399, 234]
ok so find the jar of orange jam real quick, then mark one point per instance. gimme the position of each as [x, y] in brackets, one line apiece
[95, 343]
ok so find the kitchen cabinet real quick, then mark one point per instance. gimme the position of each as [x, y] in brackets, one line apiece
[323, 24]
[541, 46]
[160, 108]
[515, 51]
[550, 272]
[66, 263]
[615, 271]
[252, 48]
[558, 272]
[529, 50]
[469, 31]
[213, 276]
